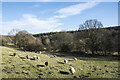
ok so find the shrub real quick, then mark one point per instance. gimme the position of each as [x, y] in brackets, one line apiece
[26, 41]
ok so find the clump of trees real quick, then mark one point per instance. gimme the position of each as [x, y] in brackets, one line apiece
[63, 41]
[91, 38]
[97, 39]
[26, 41]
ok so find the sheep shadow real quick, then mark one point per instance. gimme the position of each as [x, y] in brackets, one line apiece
[32, 59]
[22, 57]
[63, 72]
[23, 67]
[70, 60]
[40, 65]
[61, 62]
[8, 72]
[11, 55]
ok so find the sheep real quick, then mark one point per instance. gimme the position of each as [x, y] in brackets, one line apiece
[27, 56]
[46, 63]
[14, 54]
[72, 70]
[34, 57]
[40, 52]
[65, 61]
[54, 55]
[75, 59]
[35, 51]
[38, 57]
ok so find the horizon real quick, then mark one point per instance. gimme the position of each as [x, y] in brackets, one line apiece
[43, 17]
[52, 32]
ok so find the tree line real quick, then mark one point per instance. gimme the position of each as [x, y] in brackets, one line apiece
[91, 38]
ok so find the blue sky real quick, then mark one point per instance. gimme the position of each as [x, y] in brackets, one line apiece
[39, 17]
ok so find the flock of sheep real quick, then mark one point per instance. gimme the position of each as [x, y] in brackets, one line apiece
[72, 70]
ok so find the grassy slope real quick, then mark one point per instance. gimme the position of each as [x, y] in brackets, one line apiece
[18, 67]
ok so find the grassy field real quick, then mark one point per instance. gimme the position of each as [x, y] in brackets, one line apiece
[86, 67]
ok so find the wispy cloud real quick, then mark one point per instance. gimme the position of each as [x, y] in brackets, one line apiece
[36, 5]
[74, 9]
[32, 23]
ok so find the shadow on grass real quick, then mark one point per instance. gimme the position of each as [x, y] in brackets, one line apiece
[40, 65]
[79, 55]
[22, 57]
[64, 72]
[32, 59]
[70, 60]
[12, 46]
[61, 62]
[11, 55]
[83, 56]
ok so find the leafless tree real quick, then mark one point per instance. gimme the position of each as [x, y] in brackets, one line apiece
[90, 26]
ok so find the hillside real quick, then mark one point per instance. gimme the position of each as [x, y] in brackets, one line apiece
[86, 67]
[52, 33]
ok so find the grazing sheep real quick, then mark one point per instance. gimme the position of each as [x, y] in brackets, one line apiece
[38, 57]
[75, 59]
[40, 52]
[54, 55]
[14, 54]
[72, 70]
[34, 57]
[27, 56]
[65, 61]
[35, 51]
[46, 63]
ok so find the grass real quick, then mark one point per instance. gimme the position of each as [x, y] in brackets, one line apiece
[86, 67]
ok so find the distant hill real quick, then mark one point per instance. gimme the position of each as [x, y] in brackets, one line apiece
[15, 31]
[51, 33]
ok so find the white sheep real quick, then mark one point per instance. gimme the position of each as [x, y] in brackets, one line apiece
[54, 55]
[65, 61]
[72, 70]
[40, 52]
[38, 57]
[34, 57]
[75, 59]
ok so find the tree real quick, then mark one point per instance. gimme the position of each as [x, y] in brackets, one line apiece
[91, 27]
[5, 40]
[21, 39]
[91, 24]
[26, 41]
[47, 43]
[63, 42]
[79, 41]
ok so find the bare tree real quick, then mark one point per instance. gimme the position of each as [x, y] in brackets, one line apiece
[90, 26]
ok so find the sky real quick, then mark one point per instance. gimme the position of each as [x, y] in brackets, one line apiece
[41, 17]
